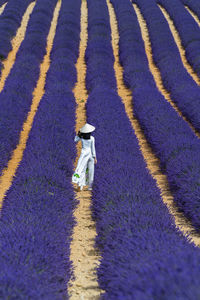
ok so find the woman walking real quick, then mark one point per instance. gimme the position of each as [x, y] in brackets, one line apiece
[84, 173]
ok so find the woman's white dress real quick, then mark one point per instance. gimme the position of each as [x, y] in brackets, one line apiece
[85, 162]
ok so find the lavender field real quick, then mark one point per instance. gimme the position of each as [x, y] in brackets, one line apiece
[132, 69]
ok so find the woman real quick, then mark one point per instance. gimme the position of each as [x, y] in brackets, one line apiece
[84, 173]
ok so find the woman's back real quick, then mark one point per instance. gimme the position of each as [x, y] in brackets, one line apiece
[87, 158]
[87, 143]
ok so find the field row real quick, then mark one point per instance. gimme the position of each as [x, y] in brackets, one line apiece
[141, 248]
[144, 256]
[37, 214]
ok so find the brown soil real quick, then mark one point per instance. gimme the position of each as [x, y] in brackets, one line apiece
[9, 172]
[193, 15]
[3, 7]
[177, 40]
[84, 255]
[151, 160]
[16, 42]
[154, 70]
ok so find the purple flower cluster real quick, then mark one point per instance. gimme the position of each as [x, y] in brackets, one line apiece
[37, 215]
[2, 2]
[193, 5]
[16, 97]
[10, 20]
[99, 43]
[143, 255]
[183, 90]
[168, 134]
[188, 30]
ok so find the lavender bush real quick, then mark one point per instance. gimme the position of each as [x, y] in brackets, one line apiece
[143, 255]
[2, 2]
[193, 5]
[37, 215]
[170, 137]
[188, 30]
[10, 20]
[99, 43]
[16, 97]
[183, 90]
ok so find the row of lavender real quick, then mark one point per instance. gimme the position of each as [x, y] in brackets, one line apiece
[193, 5]
[10, 20]
[170, 137]
[183, 90]
[16, 97]
[3, 2]
[186, 95]
[37, 216]
[188, 30]
[143, 255]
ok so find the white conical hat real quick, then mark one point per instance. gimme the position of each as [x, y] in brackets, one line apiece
[87, 128]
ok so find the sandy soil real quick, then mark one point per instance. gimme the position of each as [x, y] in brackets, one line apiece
[16, 42]
[9, 172]
[177, 40]
[84, 256]
[3, 7]
[154, 70]
[193, 15]
[151, 160]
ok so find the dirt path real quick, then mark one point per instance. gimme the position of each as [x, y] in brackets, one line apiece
[9, 172]
[151, 160]
[84, 256]
[177, 40]
[16, 42]
[154, 70]
[193, 15]
[3, 7]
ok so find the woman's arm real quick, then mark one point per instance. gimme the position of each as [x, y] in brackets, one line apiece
[93, 150]
[77, 138]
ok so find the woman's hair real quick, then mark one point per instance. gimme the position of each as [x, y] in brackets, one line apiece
[85, 136]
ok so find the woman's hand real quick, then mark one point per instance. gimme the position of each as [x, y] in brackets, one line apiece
[95, 160]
